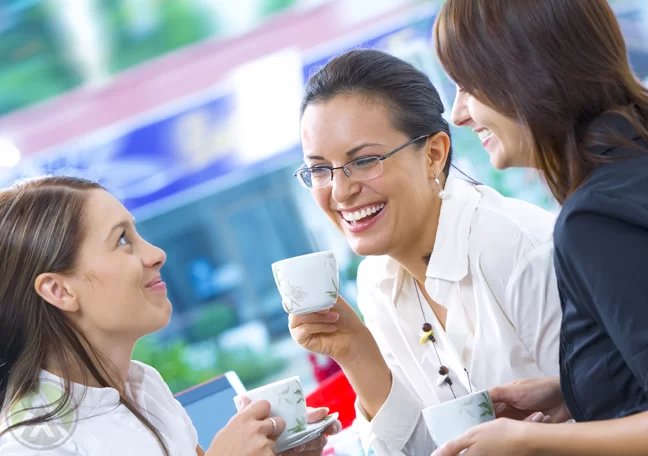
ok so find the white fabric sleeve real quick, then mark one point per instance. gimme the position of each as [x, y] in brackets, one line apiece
[398, 428]
[534, 307]
[523, 279]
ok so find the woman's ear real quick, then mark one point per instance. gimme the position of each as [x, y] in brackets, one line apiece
[437, 148]
[57, 291]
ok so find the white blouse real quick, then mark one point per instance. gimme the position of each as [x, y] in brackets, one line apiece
[492, 269]
[104, 427]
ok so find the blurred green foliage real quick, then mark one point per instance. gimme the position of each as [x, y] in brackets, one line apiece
[213, 319]
[33, 64]
[181, 23]
[178, 372]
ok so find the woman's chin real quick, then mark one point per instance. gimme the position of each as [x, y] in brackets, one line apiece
[366, 248]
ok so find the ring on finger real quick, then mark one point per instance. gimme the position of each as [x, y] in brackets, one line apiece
[274, 426]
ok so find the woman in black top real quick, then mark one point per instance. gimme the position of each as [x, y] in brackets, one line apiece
[547, 84]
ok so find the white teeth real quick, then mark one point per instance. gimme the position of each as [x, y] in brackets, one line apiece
[483, 134]
[359, 215]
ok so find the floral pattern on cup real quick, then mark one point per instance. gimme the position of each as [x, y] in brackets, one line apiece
[308, 283]
[333, 293]
[292, 295]
[295, 397]
[486, 406]
[331, 262]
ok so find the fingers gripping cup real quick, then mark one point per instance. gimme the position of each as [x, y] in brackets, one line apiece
[286, 400]
[308, 283]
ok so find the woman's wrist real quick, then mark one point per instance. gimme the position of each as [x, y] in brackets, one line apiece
[368, 373]
[362, 350]
[531, 443]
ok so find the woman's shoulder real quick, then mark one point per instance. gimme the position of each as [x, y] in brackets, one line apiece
[615, 190]
[504, 222]
[150, 379]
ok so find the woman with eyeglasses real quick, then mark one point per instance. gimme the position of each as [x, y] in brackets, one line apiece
[458, 289]
[549, 86]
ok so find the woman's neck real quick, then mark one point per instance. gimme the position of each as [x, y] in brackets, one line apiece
[413, 257]
[112, 362]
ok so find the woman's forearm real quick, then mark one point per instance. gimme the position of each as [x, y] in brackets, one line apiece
[627, 436]
[369, 376]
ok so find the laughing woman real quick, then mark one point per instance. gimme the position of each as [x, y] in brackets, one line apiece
[458, 291]
[551, 82]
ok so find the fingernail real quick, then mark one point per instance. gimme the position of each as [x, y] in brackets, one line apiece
[300, 448]
[328, 410]
[438, 452]
[500, 408]
[537, 417]
[332, 316]
[336, 428]
[546, 419]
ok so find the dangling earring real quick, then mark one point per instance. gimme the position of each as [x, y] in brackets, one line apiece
[442, 193]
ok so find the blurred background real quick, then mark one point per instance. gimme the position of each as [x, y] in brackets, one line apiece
[187, 110]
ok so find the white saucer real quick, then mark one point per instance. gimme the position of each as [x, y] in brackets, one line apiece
[312, 431]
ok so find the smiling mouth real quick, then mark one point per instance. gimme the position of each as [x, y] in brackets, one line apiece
[154, 282]
[484, 134]
[362, 216]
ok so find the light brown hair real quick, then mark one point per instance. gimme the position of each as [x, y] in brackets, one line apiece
[554, 66]
[43, 228]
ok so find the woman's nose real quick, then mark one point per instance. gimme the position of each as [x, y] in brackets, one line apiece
[460, 115]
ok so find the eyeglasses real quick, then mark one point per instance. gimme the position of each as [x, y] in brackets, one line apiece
[359, 169]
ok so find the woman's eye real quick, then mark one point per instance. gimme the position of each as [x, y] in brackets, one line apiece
[320, 171]
[123, 239]
[366, 162]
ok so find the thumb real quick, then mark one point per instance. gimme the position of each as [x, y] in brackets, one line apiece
[507, 394]
[452, 448]
[243, 402]
[313, 415]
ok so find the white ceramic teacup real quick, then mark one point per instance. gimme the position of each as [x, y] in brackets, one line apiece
[286, 400]
[451, 419]
[308, 283]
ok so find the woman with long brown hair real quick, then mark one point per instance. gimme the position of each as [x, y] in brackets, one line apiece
[547, 84]
[78, 288]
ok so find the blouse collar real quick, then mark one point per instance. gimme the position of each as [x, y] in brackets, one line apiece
[93, 399]
[449, 259]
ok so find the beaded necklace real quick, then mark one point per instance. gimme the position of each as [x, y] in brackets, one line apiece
[428, 336]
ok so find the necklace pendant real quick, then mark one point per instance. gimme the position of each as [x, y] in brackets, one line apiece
[428, 333]
[444, 377]
[428, 336]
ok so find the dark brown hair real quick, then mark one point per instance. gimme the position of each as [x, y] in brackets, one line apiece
[42, 228]
[553, 66]
[415, 106]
